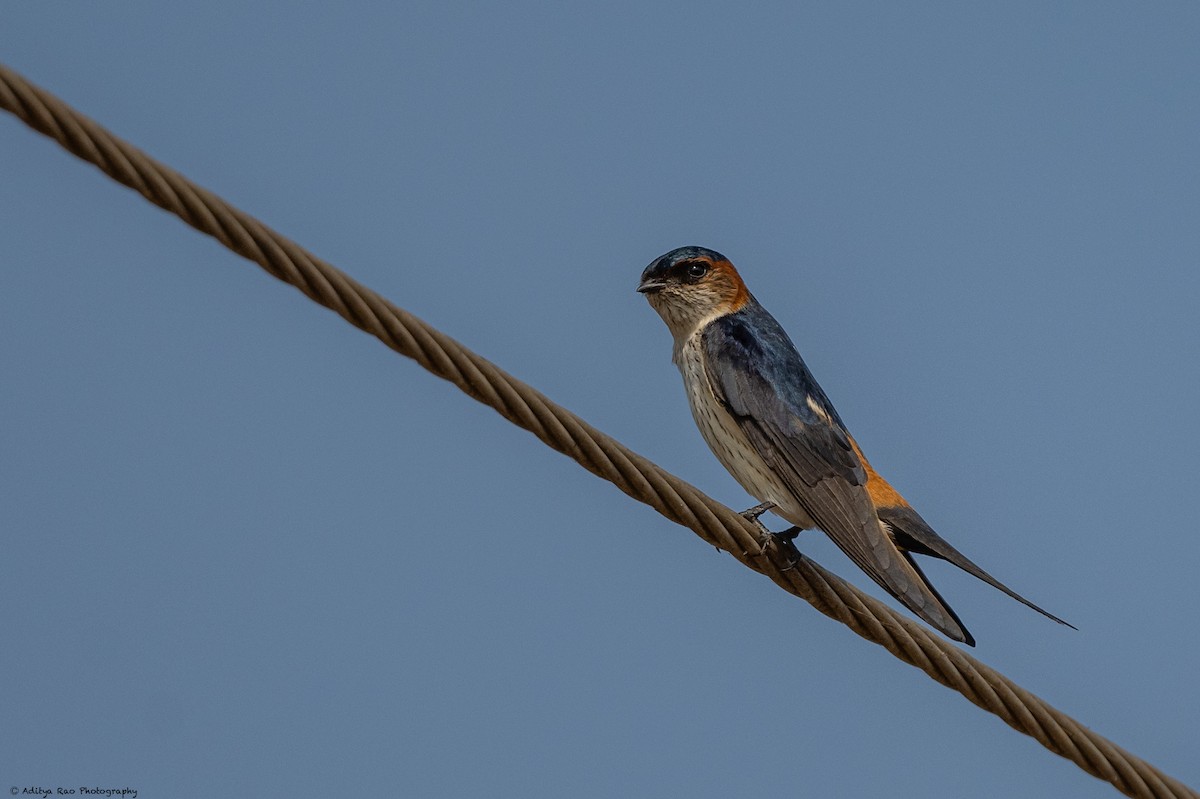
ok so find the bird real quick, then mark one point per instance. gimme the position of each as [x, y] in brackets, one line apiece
[769, 423]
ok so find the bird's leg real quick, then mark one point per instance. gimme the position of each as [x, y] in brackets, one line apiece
[752, 514]
[788, 534]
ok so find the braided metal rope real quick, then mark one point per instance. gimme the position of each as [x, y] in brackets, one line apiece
[595, 451]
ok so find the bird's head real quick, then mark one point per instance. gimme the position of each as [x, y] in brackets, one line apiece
[691, 286]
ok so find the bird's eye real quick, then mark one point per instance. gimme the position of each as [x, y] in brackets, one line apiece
[697, 270]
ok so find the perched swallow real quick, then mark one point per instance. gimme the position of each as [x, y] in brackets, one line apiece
[770, 424]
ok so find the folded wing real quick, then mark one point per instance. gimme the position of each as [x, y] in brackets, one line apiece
[763, 382]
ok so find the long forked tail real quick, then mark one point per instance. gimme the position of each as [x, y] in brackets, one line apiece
[912, 534]
[946, 628]
[894, 571]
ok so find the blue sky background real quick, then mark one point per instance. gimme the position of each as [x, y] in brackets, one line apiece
[249, 550]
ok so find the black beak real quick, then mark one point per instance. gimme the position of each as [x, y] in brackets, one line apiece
[650, 286]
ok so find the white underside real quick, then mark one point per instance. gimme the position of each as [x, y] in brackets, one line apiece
[726, 440]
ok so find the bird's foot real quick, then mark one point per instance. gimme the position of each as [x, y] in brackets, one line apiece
[782, 540]
[785, 540]
[767, 538]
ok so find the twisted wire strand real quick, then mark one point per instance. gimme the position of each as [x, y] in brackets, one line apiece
[595, 451]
